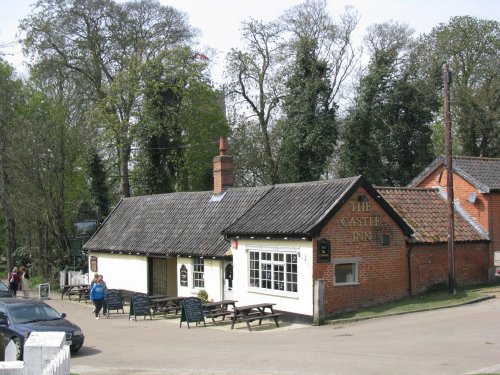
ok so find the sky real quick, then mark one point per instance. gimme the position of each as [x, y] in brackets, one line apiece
[219, 21]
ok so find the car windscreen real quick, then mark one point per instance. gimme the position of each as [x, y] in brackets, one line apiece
[33, 313]
[3, 287]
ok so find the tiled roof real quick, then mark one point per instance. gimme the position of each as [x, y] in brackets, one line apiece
[187, 223]
[300, 210]
[426, 211]
[483, 173]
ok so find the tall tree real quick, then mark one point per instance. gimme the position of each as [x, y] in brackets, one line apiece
[471, 47]
[104, 45]
[310, 132]
[260, 77]
[9, 106]
[255, 78]
[98, 184]
[387, 133]
[179, 126]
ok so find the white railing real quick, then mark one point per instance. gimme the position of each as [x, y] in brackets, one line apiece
[45, 353]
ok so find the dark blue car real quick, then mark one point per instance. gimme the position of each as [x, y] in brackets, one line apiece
[19, 317]
[4, 291]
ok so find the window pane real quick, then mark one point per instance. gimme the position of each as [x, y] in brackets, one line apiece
[273, 270]
[345, 273]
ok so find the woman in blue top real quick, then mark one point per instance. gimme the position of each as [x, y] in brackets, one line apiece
[98, 295]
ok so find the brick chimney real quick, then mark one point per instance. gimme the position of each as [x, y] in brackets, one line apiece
[223, 168]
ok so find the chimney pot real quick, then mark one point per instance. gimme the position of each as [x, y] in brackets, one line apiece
[222, 145]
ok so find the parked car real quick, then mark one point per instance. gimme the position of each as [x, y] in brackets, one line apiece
[19, 317]
[4, 290]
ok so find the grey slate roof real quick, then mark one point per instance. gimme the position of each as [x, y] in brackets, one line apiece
[483, 173]
[300, 210]
[195, 224]
[187, 223]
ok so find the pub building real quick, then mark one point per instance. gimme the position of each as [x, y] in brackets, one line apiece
[313, 249]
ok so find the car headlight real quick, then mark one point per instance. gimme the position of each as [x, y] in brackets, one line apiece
[78, 333]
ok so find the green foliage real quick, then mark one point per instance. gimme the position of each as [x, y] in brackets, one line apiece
[310, 132]
[179, 127]
[387, 133]
[471, 47]
[203, 295]
[98, 185]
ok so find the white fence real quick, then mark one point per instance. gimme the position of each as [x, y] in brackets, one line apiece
[45, 353]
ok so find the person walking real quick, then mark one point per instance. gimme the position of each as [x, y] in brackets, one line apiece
[98, 296]
[105, 304]
[14, 281]
[92, 282]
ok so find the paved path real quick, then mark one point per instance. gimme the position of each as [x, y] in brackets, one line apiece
[458, 340]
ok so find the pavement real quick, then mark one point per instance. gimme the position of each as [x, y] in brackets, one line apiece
[459, 340]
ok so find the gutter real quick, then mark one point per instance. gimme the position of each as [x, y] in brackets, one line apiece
[408, 255]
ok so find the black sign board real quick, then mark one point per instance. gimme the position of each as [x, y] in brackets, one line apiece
[324, 254]
[139, 306]
[44, 291]
[192, 311]
[184, 275]
[114, 300]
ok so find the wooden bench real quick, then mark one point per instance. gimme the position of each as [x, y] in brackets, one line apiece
[254, 317]
[84, 294]
[255, 312]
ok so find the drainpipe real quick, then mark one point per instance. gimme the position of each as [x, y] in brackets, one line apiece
[408, 255]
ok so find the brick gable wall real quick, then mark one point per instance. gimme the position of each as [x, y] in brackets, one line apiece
[382, 270]
[485, 210]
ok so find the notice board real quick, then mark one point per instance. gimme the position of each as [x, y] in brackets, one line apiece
[139, 306]
[114, 299]
[192, 311]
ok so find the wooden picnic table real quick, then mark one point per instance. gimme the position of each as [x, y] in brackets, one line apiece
[250, 313]
[80, 290]
[166, 304]
[219, 308]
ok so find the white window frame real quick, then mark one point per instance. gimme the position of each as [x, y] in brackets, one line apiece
[289, 271]
[355, 268]
[198, 273]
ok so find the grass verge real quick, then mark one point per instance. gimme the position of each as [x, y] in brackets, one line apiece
[429, 301]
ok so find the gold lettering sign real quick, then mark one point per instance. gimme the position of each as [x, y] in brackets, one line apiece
[360, 221]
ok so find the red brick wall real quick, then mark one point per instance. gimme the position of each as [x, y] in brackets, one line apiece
[429, 264]
[479, 210]
[382, 270]
[494, 205]
[485, 210]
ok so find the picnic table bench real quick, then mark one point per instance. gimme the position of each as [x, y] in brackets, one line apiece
[80, 290]
[218, 309]
[166, 305]
[250, 313]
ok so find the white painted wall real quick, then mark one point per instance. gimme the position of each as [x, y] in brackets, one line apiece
[213, 278]
[300, 302]
[123, 271]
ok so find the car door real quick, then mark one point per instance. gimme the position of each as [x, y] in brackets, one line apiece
[4, 324]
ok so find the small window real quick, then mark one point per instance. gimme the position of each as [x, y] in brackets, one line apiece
[386, 240]
[198, 273]
[346, 273]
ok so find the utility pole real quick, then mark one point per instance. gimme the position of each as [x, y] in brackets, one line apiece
[449, 188]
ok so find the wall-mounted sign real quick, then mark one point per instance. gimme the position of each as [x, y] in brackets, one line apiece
[324, 254]
[183, 275]
[93, 264]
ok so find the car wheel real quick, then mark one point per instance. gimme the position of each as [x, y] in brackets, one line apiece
[74, 348]
[19, 348]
